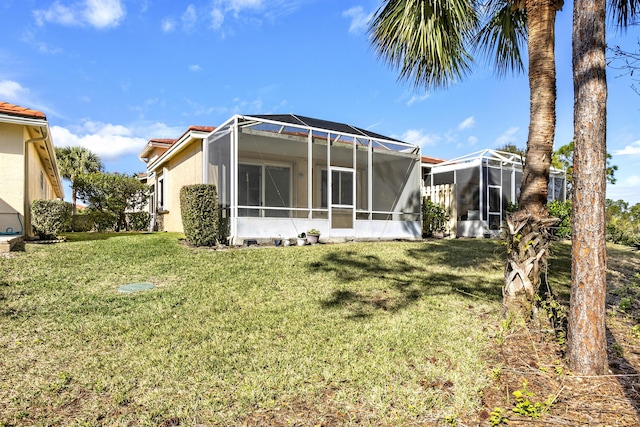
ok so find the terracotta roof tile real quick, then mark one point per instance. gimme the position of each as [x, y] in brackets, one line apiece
[203, 128]
[434, 160]
[16, 110]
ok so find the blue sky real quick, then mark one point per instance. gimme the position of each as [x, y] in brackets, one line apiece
[111, 74]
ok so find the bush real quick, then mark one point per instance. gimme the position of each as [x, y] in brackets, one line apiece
[104, 221]
[434, 218]
[50, 217]
[138, 221]
[82, 222]
[199, 208]
[562, 211]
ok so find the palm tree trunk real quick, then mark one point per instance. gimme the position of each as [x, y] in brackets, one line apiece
[73, 200]
[522, 272]
[587, 344]
[541, 15]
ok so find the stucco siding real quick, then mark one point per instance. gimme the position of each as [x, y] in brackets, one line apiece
[39, 184]
[185, 168]
[11, 176]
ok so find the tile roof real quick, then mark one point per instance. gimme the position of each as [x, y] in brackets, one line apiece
[163, 140]
[203, 128]
[16, 110]
[433, 160]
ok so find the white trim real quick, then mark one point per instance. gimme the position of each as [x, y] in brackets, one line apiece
[177, 146]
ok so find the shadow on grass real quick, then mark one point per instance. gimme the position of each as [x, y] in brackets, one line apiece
[628, 377]
[407, 280]
[90, 236]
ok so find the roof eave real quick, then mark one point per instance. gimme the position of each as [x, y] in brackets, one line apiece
[189, 135]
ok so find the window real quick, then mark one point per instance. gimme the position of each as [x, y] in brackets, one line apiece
[342, 188]
[161, 200]
[264, 186]
[152, 199]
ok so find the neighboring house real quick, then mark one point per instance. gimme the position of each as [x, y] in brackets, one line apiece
[28, 169]
[280, 175]
[477, 189]
[172, 164]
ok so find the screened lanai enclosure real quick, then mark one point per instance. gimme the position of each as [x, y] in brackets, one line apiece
[478, 189]
[281, 175]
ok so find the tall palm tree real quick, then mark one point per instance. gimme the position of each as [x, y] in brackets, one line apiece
[76, 161]
[431, 41]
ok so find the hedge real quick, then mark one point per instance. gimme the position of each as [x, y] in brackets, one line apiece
[199, 208]
[82, 222]
[138, 221]
[50, 217]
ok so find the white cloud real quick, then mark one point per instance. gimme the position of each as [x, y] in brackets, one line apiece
[626, 190]
[472, 140]
[29, 37]
[359, 19]
[419, 137]
[238, 5]
[111, 141]
[195, 68]
[217, 19]
[168, 25]
[96, 13]
[12, 91]
[467, 123]
[255, 11]
[57, 14]
[189, 18]
[417, 98]
[507, 137]
[104, 13]
[632, 149]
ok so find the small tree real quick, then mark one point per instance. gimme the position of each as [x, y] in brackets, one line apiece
[74, 162]
[112, 195]
[434, 218]
[199, 209]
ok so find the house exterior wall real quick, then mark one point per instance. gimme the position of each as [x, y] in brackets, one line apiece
[184, 168]
[23, 177]
[39, 183]
[12, 176]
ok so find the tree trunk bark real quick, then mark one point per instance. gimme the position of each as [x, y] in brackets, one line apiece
[73, 200]
[587, 344]
[542, 114]
[519, 291]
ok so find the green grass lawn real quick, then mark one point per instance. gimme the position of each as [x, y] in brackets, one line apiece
[369, 333]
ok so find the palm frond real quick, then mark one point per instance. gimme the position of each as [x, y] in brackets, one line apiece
[427, 40]
[624, 12]
[503, 37]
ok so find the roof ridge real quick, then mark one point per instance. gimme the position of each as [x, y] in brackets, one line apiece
[17, 110]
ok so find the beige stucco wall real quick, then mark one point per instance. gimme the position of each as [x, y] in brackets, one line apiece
[22, 178]
[39, 183]
[184, 168]
[11, 176]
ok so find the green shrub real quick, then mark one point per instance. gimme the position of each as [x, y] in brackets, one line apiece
[199, 208]
[104, 221]
[82, 222]
[50, 217]
[434, 218]
[138, 221]
[622, 233]
[562, 211]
